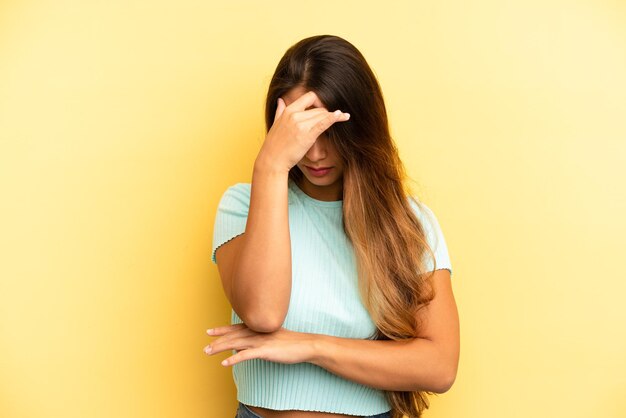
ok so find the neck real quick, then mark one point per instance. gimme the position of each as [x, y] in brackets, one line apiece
[332, 192]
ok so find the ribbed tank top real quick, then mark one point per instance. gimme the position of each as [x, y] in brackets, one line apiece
[324, 300]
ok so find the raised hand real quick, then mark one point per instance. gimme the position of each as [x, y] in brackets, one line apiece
[295, 130]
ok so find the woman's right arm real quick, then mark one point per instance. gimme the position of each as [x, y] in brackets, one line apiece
[255, 267]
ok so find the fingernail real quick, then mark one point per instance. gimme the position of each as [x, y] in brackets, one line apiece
[208, 350]
[209, 331]
[347, 115]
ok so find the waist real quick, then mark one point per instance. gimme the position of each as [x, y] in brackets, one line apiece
[248, 411]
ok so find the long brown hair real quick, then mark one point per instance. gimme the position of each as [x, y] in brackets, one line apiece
[388, 239]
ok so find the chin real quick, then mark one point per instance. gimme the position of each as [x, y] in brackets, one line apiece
[321, 182]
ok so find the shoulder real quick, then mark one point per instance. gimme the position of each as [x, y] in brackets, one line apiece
[237, 194]
[235, 200]
[427, 218]
[422, 211]
[239, 189]
[434, 236]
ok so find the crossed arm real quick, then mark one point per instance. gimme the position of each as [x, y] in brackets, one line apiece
[428, 362]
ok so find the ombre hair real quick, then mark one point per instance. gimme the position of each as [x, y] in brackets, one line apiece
[388, 239]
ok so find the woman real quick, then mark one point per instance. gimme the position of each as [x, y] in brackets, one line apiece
[338, 278]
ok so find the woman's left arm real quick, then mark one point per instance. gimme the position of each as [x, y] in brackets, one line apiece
[428, 362]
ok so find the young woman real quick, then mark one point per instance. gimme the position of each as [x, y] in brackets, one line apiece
[339, 278]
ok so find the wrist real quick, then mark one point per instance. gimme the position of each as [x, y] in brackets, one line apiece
[317, 345]
[264, 167]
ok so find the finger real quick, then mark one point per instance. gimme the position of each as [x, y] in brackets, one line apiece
[280, 107]
[233, 337]
[242, 342]
[223, 330]
[227, 345]
[303, 102]
[320, 123]
[218, 348]
[308, 114]
[239, 339]
[242, 356]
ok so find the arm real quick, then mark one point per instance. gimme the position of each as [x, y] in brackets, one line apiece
[428, 362]
[255, 267]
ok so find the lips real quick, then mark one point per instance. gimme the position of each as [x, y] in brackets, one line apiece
[321, 172]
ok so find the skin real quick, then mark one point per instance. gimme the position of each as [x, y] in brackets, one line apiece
[427, 362]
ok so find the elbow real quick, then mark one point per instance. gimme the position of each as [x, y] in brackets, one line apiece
[264, 323]
[445, 385]
[446, 380]
[262, 318]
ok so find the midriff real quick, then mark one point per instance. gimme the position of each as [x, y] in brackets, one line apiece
[292, 413]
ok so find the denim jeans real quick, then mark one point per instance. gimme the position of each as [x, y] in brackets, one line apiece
[244, 412]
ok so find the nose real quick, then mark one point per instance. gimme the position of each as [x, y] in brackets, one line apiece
[317, 151]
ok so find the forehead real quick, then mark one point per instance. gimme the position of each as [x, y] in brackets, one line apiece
[293, 95]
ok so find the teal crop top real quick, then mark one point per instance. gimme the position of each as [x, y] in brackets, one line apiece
[324, 300]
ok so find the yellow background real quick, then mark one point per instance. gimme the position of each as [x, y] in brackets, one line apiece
[122, 123]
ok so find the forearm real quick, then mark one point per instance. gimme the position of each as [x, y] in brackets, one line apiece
[410, 365]
[262, 277]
